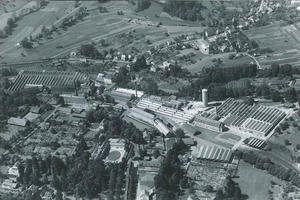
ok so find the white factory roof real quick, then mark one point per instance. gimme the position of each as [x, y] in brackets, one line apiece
[130, 91]
[212, 153]
[161, 127]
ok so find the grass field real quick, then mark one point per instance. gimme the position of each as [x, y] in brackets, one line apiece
[207, 61]
[254, 182]
[230, 136]
[278, 141]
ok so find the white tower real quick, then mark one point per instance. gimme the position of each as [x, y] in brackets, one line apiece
[204, 97]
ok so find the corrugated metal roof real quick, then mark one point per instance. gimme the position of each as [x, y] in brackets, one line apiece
[212, 153]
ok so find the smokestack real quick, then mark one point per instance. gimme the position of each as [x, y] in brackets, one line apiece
[205, 97]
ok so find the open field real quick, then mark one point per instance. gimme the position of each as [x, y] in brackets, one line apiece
[272, 36]
[285, 144]
[206, 61]
[254, 182]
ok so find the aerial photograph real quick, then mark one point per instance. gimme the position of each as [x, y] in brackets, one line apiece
[149, 99]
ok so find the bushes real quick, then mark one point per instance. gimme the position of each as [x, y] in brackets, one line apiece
[89, 50]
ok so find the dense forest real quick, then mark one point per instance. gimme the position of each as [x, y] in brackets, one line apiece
[215, 78]
[188, 10]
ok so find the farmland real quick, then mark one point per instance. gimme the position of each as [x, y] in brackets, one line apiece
[281, 40]
[105, 26]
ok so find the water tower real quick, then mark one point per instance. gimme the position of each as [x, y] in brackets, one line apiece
[205, 97]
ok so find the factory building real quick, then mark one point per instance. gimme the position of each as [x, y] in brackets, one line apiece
[161, 127]
[158, 108]
[257, 120]
[207, 123]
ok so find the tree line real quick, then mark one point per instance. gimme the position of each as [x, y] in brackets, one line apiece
[170, 176]
[214, 79]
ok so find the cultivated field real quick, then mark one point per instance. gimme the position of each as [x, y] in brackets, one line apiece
[95, 27]
[283, 41]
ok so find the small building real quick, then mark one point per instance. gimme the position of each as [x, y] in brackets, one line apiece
[203, 46]
[212, 153]
[147, 170]
[169, 142]
[207, 123]
[18, 121]
[130, 92]
[188, 141]
[101, 125]
[162, 127]
[35, 109]
[31, 117]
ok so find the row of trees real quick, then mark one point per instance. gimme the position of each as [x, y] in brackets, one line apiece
[214, 79]
[116, 180]
[10, 25]
[170, 174]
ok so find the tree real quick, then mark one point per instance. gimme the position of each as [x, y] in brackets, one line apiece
[81, 146]
[25, 43]
[10, 22]
[122, 77]
[55, 182]
[287, 142]
[89, 50]
[275, 69]
[179, 133]
[150, 86]
[7, 30]
[275, 96]
[176, 70]
[291, 95]
[61, 101]
[219, 195]
[6, 83]
[58, 195]
[140, 63]
[143, 4]
[249, 101]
